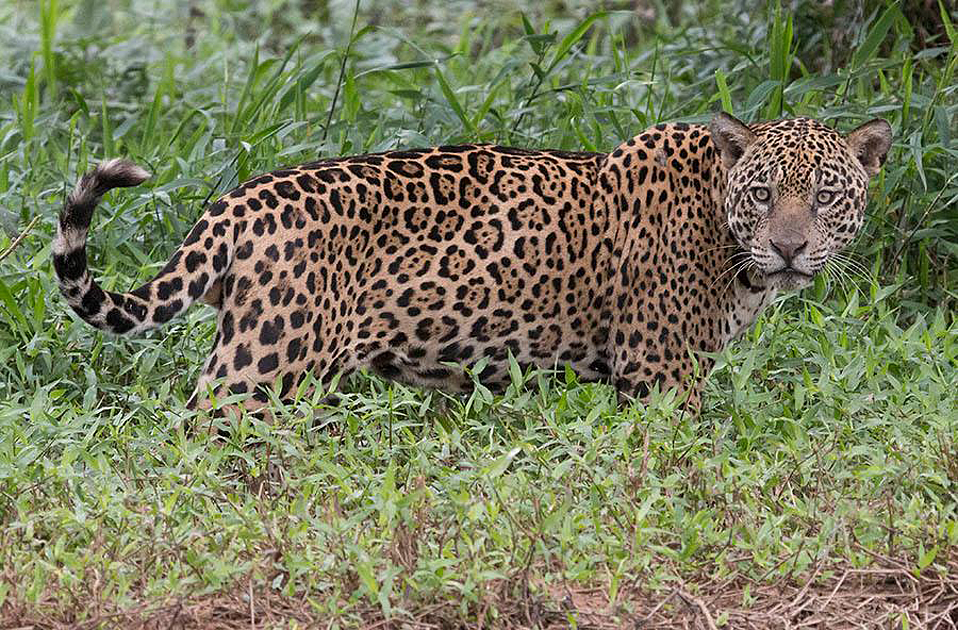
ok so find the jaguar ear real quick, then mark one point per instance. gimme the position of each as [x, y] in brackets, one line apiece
[731, 136]
[869, 143]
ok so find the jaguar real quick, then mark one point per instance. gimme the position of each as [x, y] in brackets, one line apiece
[631, 267]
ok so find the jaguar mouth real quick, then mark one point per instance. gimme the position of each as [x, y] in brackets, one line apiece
[789, 272]
[789, 278]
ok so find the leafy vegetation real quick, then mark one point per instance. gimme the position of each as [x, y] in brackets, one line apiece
[825, 460]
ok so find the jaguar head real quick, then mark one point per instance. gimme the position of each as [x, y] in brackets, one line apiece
[796, 190]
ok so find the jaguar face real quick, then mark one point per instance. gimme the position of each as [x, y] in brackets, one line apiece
[796, 191]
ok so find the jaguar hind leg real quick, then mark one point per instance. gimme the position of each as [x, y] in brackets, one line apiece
[231, 370]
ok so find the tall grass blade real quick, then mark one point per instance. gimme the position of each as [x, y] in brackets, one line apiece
[876, 35]
[49, 14]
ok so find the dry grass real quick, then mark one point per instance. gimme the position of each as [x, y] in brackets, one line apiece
[883, 594]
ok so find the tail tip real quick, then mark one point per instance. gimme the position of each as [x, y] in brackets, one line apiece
[120, 172]
[115, 173]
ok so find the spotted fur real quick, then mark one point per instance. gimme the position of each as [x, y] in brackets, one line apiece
[621, 265]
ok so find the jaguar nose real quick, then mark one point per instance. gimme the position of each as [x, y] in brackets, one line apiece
[788, 248]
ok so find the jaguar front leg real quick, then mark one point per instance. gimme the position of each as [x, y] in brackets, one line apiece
[637, 371]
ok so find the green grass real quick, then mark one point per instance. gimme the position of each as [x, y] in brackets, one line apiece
[828, 440]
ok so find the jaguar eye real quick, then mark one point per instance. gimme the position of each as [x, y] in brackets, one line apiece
[825, 197]
[761, 194]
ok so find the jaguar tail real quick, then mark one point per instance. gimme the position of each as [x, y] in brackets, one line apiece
[154, 303]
